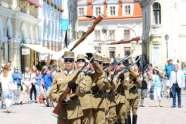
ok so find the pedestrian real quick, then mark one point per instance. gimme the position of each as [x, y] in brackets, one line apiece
[26, 85]
[7, 87]
[177, 79]
[33, 85]
[169, 68]
[17, 77]
[38, 79]
[143, 89]
[157, 85]
[149, 78]
[47, 80]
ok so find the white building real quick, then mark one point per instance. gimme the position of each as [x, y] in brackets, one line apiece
[164, 30]
[122, 20]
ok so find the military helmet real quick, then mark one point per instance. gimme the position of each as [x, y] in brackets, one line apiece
[68, 55]
[81, 57]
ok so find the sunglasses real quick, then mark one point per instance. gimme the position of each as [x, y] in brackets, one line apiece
[80, 60]
[69, 60]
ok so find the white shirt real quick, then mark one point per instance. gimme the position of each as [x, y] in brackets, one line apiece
[6, 82]
[177, 77]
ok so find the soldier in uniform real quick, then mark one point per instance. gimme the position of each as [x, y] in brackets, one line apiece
[72, 112]
[132, 94]
[84, 90]
[110, 110]
[99, 103]
[122, 105]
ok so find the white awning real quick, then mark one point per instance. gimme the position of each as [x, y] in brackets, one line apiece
[39, 49]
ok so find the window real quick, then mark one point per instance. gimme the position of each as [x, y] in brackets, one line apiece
[157, 13]
[112, 10]
[127, 10]
[111, 35]
[81, 11]
[126, 51]
[127, 34]
[112, 52]
[97, 35]
[98, 11]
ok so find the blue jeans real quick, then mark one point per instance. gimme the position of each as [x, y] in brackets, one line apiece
[176, 91]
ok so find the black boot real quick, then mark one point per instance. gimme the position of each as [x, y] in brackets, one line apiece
[128, 119]
[134, 119]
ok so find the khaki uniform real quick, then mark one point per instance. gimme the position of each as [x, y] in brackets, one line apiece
[100, 104]
[132, 96]
[73, 112]
[55, 86]
[121, 100]
[86, 98]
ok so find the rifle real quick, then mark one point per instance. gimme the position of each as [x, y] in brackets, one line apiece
[90, 30]
[69, 91]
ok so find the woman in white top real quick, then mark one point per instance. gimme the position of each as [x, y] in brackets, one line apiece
[7, 86]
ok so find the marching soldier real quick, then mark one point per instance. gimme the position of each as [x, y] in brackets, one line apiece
[132, 94]
[122, 105]
[84, 90]
[99, 103]
[72, 112]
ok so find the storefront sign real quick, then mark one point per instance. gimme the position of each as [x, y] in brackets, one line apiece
[25, 51]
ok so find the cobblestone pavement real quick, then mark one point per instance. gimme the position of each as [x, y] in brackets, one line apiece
[28, 114]
[162, 115]
[39, 114]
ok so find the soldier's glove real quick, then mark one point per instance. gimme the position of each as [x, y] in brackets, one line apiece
[67, 99]
[72, 85]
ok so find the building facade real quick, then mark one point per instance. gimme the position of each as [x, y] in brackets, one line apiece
[18, 25]
[164, 30]
[122, 20]
[50, 15]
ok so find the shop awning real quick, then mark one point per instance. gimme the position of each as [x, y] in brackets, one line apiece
[39, 49]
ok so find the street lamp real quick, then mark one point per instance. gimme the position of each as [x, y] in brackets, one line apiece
[167, 38]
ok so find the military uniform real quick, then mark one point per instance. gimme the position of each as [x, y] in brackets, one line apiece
[121, 100]
[132, 95]
[55, 86]
[85, 96]
[72, 111]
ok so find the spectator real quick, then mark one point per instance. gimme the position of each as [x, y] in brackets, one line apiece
[26, 85]
[33, 85]
[7, 86]
[17, 77]
[177, 79]
[149, 77]
[169, 68]
[184, 71]
[47, 79]
[143, 88]
[157, 83]
[38, 79]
